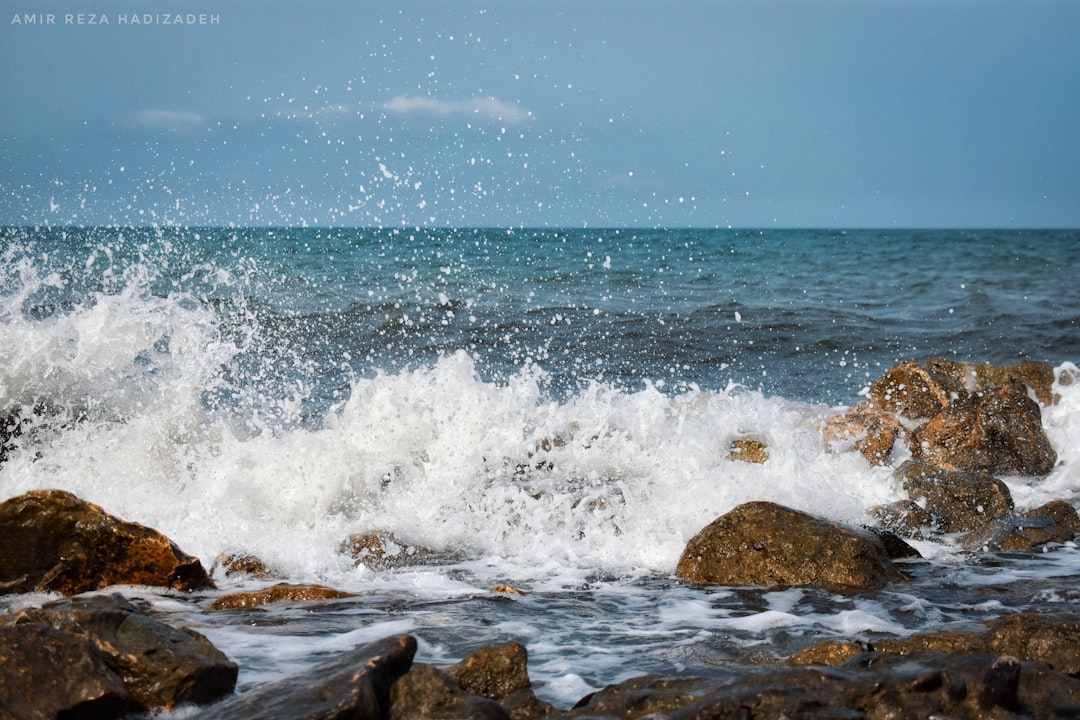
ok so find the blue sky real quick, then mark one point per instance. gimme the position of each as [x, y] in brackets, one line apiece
[827, 113]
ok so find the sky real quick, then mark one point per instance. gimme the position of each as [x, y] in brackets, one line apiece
[612, 113]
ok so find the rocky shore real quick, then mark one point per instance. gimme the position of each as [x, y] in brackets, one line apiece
[96, 654]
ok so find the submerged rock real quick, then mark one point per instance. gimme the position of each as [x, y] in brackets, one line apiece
[865, 428]
[995, 431]
[955, 501]
[764, 544]
[242, 565]
[380, 551]
[282, 592]
[57, 542]
[749, 450]
[354, 684]
[102, 657]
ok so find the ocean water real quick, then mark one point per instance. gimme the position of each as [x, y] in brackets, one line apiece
[551, 409]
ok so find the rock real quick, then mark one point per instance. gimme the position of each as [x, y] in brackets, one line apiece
[494, 671]
[46, 673]
[765, 544]
[749, 450]
[281, 592]
[508, 589]
[829, 653]
[355, 684]
[1037, 376]
[917, 391]
[865, 428]
[383, 551]
[903, 517]
[1055, 522]
[956, 501]
[56, 542]
[1052, 639]
[155, 665]
[867, 685]
[426, 693]
[896, 548]
[998, 432]
[242, 565]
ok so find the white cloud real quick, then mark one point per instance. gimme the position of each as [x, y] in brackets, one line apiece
[487, 108]
[171, 120]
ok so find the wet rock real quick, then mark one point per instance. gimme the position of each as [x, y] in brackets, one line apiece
[494, 671]
[355, 684]
[46, 673]
[282, 592]
[829, 653]
[242, 565]
[748, 450]
[864, 428]
[997, 431]
[508, 589]
[426, 693]
[382, 551]
[1052, 639]
[1038, 377]
[1055, 522]
[765, 544]
[903, 517]
[867, 685]
[917, 390]
[56, 542]
[128, 659]
[955, 501]
[896, 548]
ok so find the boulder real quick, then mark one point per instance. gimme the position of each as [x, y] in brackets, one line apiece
[354, 684]
[996, 431]
[56, 542]
[47, 673]
[917, 390]
[381, 551]
[426, 693]
[242, 565]
[955, 501]
[103, 651]
[867, 685]
[903, 517]
[1051, 639]
[748, 450]
[494, 671]
[764, 544]
[1054, 522]
[282, 592]
[864, 428]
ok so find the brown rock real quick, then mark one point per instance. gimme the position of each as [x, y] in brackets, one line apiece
[425, 693]
[382, 551]
[903, 517]
[508, 589]
[1052, 639]
[355, 684]
[1038, 376]
[281, 592]
[956, 501]
[829, 653]
[54, 541]
[998, 432]
[47, 673]
[765, 544]
[1055, 522]
[158, 665]
[748, 450]
[865, 428]
[494, 671]
[242, 565]
[917, 391]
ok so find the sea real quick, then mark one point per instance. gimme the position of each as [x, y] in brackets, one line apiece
[546, 409]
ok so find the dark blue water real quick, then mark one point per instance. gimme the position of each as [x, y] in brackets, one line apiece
[806, 314]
